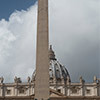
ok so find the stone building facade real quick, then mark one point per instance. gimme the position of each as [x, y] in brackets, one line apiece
[61, 87]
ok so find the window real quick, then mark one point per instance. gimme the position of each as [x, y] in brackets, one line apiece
[21, 91]
[74, 90]
[8, 92]
[88, 91]
[59, 90]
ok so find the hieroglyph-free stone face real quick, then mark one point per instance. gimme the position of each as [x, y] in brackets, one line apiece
[42, 57]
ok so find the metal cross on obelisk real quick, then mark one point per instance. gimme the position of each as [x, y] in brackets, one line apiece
[42, 57]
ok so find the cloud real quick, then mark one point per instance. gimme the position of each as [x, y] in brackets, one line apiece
[74, 34]
[17, 44]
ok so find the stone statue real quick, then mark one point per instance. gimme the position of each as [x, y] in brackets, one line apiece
[82, 80]
[68, 79]
[95, 79]
[1, 79]
[28, 79]
[17, 80]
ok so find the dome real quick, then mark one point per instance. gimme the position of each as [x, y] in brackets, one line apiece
[57, 72]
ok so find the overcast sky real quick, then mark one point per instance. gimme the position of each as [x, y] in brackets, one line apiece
[74, 27]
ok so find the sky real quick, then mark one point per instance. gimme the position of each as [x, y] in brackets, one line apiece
[7, 7]
[74, 27]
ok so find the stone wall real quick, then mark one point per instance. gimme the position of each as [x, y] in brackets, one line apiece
[76, 98]
[20, 89]
[55, 98]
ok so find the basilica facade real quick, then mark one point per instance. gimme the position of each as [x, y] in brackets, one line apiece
[61, 87]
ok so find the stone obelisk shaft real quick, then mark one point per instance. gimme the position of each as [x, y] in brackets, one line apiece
[42, 57]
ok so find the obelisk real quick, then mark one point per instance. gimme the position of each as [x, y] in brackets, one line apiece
[42, 56]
